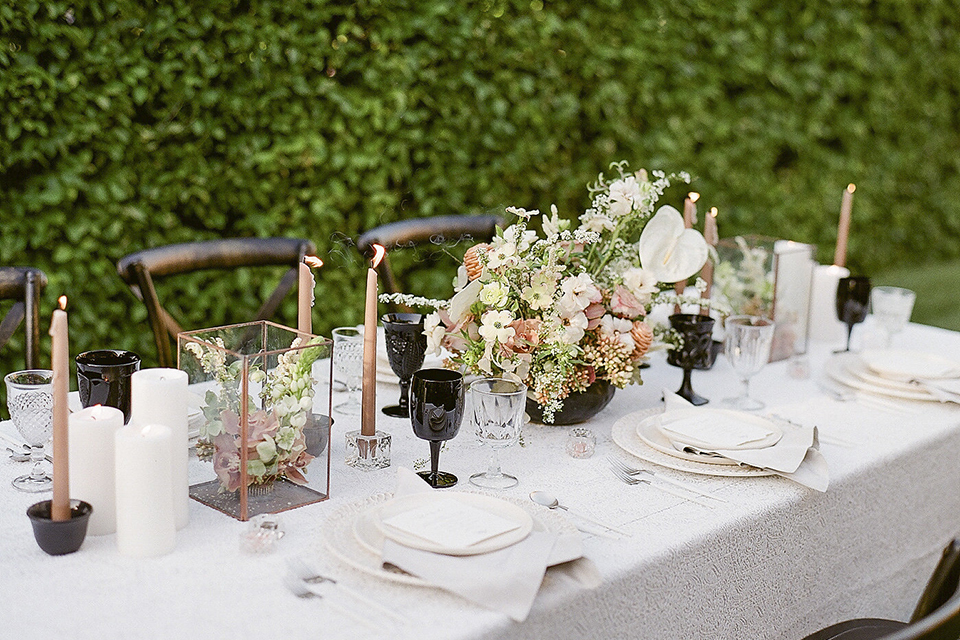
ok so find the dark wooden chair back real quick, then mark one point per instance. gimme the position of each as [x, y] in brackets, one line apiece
[24, 285]
[420, 231]
[139, 269]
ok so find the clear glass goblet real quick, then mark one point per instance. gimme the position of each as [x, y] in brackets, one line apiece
[30, 402]
[497, 418]
[348, 367]
[891, 308]
[747, 347]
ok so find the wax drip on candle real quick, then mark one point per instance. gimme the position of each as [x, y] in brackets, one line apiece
[306, 286]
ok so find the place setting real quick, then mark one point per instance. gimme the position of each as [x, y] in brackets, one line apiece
[901, 374]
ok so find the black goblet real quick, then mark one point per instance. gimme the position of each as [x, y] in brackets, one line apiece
[436, 410]
[696, 352]
[853, 302]
[406, 346]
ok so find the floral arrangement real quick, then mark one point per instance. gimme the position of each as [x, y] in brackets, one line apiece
[276, 446]
[562, 311]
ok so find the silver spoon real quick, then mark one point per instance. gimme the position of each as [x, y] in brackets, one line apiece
[549, 501]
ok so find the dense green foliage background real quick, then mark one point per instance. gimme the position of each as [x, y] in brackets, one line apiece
[126, 124]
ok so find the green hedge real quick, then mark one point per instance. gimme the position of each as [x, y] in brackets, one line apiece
[129, 124]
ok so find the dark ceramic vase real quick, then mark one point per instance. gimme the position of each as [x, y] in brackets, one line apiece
[577, 407]
[697, 351]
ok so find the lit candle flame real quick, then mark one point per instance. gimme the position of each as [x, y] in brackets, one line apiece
[713, 212]
[313, 262]
[378, 252]
[694, 196]
[851, 187]
[62, 301]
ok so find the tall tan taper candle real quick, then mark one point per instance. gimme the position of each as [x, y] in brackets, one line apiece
[689, 218]
[712, 236]
[843, 229]
[368, 397]
[60, 352]
[305, 285]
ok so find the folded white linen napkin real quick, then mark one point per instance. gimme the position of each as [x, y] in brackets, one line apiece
[506, 580]
[795, 456]
[944, 389]
[721, 431]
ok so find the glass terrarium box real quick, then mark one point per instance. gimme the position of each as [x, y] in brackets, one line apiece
[771, 278]
[263, 425]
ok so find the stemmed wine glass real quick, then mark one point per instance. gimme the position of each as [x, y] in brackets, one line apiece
[695, 352]
[406, 347]
[747, 347]
[30, 402]
[436, 410]
[348, 366]
[497, 417]
[853, 300]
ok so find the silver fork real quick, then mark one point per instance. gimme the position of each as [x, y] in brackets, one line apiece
[623, 477]
[636, 471]
[301, 589]
[308, 574]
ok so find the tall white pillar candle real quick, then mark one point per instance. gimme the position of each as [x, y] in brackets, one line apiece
[145, 522]
[92, 464]
[824, 325]
[159, 396]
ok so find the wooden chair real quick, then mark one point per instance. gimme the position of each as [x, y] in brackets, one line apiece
[23, 284]
[139, 269]
[937, 616]
[421, 231]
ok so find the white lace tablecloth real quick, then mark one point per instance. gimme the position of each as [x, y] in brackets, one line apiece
[776, 561]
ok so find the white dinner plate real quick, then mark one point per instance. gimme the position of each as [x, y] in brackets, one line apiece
[342, 542]
[716, 416]
[624, 435]
[841, 366]
[517, 517]
[906, 365]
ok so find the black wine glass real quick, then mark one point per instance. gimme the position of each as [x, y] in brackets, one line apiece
[436, 410]
[853, 302]
[696, 352]
[406, 347]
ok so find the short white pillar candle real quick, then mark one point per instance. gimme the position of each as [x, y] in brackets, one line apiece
[92, 464]
[145, 520]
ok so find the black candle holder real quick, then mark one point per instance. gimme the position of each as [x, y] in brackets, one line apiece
[59, 537]
[406, 349]
[696, 352]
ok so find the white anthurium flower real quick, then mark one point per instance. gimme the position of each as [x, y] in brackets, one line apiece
[496, 326]
[495, 294]
[460, 303]
[435, 331]
[668, 250]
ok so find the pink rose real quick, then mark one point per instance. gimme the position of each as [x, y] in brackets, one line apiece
[625, 304]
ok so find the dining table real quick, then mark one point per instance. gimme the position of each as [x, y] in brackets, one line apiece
[767, 558]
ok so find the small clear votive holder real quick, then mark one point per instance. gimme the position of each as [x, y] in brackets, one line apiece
[368, 452]
[262, 534]
[581, 443]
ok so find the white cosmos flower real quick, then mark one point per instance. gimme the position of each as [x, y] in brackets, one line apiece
[574, 328]
[494, 294]
[640, 282]
[502, 255]
[496, 326]
[618, 328]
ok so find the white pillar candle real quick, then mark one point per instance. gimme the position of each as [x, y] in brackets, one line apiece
[159, 396]
[145, 522]
[824, 326]
[92, 464]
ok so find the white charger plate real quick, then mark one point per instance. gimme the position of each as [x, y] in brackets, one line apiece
[906, 365]
[842, 366]
[664, 420]
[624, 435]
[490, 504]
[340, 537]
